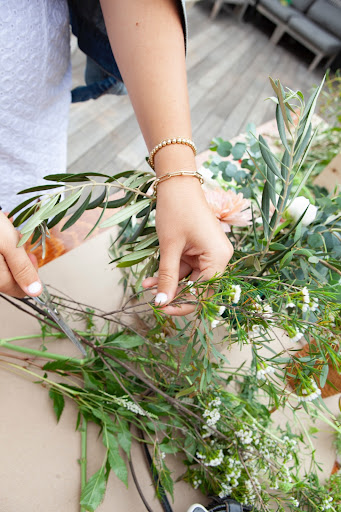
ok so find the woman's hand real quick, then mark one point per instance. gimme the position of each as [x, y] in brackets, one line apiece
[18, 271]
[191, 240]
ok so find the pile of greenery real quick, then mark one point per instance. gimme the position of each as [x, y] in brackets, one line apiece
[169, 378]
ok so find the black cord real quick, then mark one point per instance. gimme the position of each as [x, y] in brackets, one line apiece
[137, 485]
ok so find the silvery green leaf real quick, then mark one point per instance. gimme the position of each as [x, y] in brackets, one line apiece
[266, 209]
[281, 127]
[301, 144]
[63, 205]
[268, 157]
[304, 180]
[310, 108]
[136, 257]
[148, 240]
[125, 213]
[40, 215]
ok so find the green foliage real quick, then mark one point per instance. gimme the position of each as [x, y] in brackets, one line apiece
[167, 377]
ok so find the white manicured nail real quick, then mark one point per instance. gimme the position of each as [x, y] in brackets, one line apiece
[161, 298]
[34, 288]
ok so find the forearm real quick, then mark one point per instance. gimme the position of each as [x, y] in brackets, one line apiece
[148, 44]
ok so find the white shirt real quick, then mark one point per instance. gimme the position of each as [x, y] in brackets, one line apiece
[35, 83]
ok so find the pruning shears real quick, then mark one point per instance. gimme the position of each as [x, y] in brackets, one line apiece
[45, 301]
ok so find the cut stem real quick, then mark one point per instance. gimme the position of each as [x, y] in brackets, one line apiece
[39, 353]
[83, 459]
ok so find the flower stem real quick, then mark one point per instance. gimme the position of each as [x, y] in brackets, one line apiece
[39, 353]
[83, 460]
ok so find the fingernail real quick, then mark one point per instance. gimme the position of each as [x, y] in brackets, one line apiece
[34, 288]
[161, 298]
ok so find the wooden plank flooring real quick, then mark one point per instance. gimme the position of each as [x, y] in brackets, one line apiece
[228, 67]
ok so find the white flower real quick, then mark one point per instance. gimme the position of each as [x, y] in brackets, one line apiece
[214, 324]
[305, 293]
[298, 206]
[236, 289]
[290, 305]
[264, 371]
[221, 310]
[295, 502]
[297, 337]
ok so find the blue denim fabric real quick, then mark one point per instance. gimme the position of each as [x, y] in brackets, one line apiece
[102, 75]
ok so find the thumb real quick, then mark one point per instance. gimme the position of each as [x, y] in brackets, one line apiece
[23, 271]
[168, 277]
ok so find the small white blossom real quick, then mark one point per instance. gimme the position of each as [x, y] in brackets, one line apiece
[221, 310]
[311, 394]
[290, 305]
[295, 502]
[214, 324]
[236, 289]
[297, 337]
[261, 373]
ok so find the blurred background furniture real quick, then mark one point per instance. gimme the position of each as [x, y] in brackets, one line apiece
[239, 9]
[314, 23]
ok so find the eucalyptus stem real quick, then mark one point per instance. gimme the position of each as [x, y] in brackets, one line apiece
[39, 353]
[83, 459]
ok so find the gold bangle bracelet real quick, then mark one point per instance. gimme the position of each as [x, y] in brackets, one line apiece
[168, 142]
[169, 175]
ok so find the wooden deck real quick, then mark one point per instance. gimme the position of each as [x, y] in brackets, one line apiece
[228, 67]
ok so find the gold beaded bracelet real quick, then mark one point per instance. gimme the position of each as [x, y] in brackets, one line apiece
[169, 175]
[168, 142]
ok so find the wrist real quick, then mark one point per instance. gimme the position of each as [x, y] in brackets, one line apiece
[174, 158]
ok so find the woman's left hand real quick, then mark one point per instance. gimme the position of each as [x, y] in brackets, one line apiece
[192, 242]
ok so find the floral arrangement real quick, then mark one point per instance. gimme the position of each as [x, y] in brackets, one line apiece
[170, 378]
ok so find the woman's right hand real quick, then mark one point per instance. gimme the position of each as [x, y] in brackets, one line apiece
[18, 270]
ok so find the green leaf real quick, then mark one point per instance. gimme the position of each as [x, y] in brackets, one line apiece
[124, 438]
[266, 209]
[278, 90]
[301, 144]
[116, 462]
[238, 150]
[148, 240]
[324, 375]
[313, 259]
[275, 246]
[116, 203]
[21, 206]
[281, 127]
[186, 391]
[224, 148]
[126, 340]
[99, 218]
[39, 188]
[99, 200]
[267, 156]
[125, 213]
[135, 257]
[94, 490]
[78, 213]
[58, 402]
[65, 204]
[315, 241]
[38, 217]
